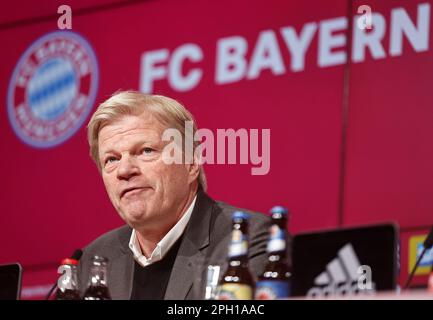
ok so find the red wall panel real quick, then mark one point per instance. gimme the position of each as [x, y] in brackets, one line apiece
[389, 172]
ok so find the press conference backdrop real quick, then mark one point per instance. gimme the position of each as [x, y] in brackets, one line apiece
[349, 111]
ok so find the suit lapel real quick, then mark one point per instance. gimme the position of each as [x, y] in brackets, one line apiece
[121, 272]
[190, 258]
[186, 268]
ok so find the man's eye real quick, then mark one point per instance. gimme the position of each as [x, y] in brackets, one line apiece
[147, 150]
[110, 160]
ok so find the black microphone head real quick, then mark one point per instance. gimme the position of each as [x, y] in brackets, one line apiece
[428, 242]
[77, 254]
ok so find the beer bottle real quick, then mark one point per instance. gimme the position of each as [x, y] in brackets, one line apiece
[67, 285]
[274, 282]
[237, 282]
[97, 288]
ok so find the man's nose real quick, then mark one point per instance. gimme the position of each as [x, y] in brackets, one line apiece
[127, 168]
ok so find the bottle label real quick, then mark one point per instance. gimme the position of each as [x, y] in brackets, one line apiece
[238, 245]
[273, 289]
[235, 291]
[277, 239]
[67, 279]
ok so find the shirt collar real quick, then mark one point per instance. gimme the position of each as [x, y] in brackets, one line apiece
[166, 242]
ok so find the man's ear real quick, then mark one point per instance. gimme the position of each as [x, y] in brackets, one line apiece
[193, 170]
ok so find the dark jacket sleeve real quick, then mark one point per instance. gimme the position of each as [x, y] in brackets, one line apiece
[259, 229]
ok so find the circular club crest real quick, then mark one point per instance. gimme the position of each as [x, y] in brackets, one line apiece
[52, 89]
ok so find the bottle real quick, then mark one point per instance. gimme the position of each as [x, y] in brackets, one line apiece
[97, 288]
[67, 285]
[274, 282]
[237, 282]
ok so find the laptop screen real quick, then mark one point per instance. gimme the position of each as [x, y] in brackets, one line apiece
[10, 281]
[345, 261]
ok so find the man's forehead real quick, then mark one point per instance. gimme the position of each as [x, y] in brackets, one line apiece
[135, 126]
[144, 118]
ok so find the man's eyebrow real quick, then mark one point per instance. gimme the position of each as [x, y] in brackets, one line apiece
[104, 152]
[136, 145]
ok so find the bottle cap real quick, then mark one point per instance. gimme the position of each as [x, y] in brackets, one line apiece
[240, 215]
[279, 209]
[69, 261]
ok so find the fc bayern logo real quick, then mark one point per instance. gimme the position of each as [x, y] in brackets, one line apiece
[52, 89]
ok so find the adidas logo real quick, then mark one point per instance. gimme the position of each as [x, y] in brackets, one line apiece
[341, 276]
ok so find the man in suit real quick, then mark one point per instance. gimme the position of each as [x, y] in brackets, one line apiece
[173, 230]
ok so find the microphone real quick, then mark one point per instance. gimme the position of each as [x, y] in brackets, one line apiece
[76, 256]
[428, 243]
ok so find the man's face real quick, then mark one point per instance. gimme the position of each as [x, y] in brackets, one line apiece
[147, 193]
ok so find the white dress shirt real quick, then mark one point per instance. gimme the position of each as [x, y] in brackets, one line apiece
[165, 244]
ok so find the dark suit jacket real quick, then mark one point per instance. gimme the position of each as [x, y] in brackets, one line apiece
[205, 242]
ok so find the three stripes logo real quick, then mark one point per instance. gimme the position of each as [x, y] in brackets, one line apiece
[52, 89]
[342, 276]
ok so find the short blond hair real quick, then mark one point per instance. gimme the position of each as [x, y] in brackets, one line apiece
[124, 103]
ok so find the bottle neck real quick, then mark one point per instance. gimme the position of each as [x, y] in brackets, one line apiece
[238, 248]
[277, 243]
[276, 256]
[98, 275]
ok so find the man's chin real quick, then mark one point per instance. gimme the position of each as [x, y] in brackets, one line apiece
[136, 220]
